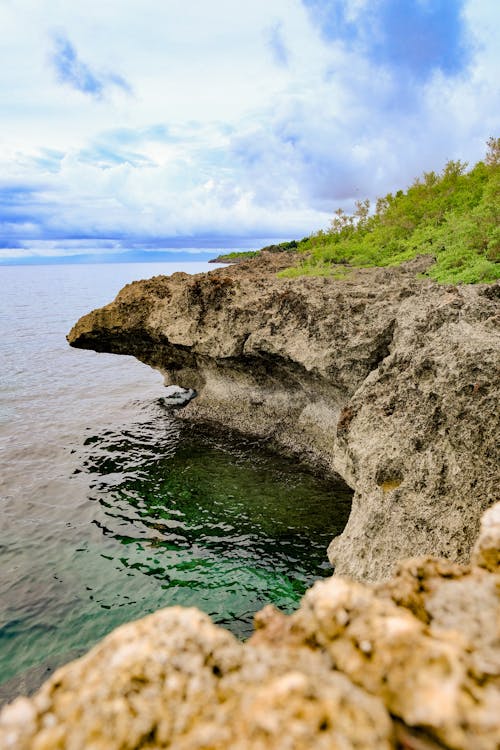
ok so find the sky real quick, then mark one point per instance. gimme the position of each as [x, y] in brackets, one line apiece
[178, 124]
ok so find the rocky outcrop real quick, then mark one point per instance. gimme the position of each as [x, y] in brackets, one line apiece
[413, 663]
[388, 380]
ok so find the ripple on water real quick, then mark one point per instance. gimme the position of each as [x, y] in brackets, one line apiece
[169, 518]
[109, 510]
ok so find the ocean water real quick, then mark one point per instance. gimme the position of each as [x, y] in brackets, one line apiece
[110, 507]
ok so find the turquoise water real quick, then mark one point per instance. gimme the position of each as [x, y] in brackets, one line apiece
[112, 508]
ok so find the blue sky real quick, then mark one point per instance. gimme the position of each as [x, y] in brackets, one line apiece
[185, 123]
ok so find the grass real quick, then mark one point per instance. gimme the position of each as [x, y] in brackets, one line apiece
[453, 216]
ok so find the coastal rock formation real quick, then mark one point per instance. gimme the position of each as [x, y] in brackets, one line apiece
[412, 663]
[383, 378]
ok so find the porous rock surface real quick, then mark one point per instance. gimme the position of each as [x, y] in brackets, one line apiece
[383, 378]
[412, 663]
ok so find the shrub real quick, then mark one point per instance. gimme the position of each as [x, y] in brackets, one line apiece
[453, 216]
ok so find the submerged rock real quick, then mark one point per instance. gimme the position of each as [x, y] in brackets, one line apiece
[388, 380]
[410, 663]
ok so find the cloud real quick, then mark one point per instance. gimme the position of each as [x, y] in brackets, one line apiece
[105, 157]
[49, 160]
[422, 37]
[277, 45]
[22, 211]
[71, 70]
[411, 37]
[332, 102]
[130, 136]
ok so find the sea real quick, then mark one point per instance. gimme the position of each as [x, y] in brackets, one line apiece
[111, 507]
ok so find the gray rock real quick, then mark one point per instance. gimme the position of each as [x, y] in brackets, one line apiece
[385, 379]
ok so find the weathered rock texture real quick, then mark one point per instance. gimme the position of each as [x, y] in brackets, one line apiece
[385, 379]
[413, 663]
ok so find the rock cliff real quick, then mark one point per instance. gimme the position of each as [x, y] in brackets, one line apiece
[388, 380]
[412, 663]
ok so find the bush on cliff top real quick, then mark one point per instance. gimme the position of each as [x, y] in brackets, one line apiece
[246, 254]
[453, 216]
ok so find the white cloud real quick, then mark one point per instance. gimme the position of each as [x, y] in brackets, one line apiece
[217, 139]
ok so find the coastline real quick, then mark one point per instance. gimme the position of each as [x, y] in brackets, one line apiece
[384, 379]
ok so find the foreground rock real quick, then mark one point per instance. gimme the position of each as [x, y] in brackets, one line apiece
[413, 663]
[388, 380]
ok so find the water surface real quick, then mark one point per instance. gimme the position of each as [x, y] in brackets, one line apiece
[110, 508]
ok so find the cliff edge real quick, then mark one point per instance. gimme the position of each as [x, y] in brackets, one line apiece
[385, 379]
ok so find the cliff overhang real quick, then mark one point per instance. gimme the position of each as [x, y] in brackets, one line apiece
[385, 379]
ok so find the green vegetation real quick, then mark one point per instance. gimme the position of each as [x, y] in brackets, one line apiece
[237, 255]
[281, 247]
[452, 216]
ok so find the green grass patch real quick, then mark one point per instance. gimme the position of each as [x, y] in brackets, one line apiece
[453, 216]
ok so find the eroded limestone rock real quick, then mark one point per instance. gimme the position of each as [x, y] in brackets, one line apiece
[486, 552]
[385, 379]
[176, 680]
[413, 663]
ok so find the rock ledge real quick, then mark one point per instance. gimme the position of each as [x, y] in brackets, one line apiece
[385, 379]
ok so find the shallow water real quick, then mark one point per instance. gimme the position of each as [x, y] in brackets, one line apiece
[110, 508]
